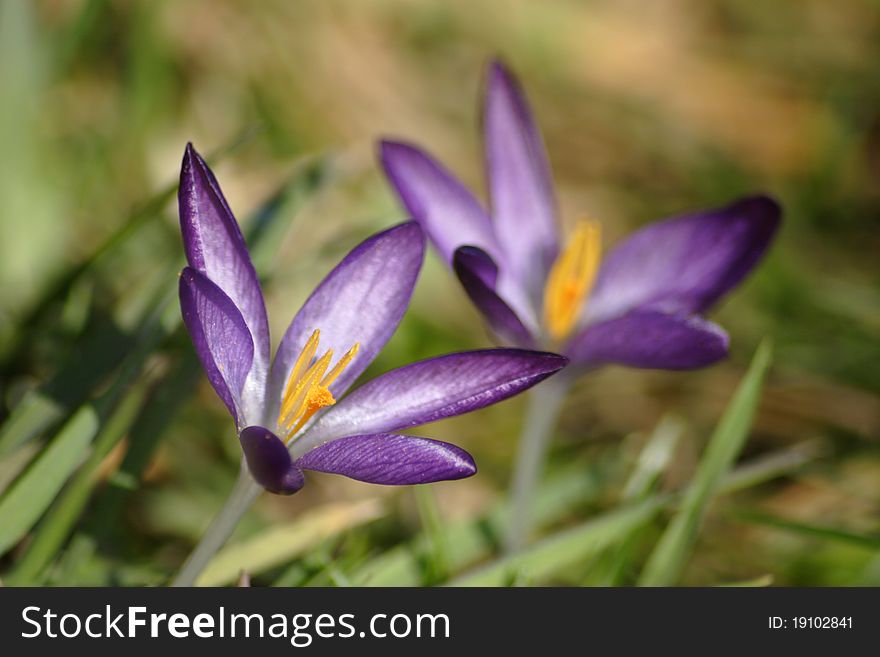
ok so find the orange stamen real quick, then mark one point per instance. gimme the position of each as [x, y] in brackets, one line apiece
[571, 279]
[308, 388]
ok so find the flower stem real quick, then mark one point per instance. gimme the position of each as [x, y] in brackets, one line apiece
[240, 499]
[542, 413]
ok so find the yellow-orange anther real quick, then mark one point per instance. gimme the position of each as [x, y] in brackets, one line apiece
[307, 390]
[571, 279]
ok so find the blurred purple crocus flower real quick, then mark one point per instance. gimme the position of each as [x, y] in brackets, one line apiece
[641, 306]
[285, 409]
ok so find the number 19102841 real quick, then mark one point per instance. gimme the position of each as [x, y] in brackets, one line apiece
[810, 622]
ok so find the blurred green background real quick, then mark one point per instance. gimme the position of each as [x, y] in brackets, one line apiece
[648, 109]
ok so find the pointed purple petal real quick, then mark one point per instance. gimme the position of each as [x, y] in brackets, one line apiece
[448, 212]
[684, 264]
[433, 389]
[362, 300]
[269, 461]
[390, 459]
[520, 182]
[650, 339]
[219, 334]
[214, 246]
[478, 273]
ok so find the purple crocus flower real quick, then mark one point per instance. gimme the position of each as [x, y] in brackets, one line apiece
[641, 306]
[285, 409]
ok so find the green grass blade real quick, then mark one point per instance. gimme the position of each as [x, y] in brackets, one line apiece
[279, 544]
[809, 530]
[564, 549]
[13, 464]
[666, 562]
[654, 458]
[27, 499]
[58, 522]
[642, 483]
[35, 413]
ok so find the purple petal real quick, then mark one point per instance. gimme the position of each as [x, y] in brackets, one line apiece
[477, 272]
[269, 461]
[448, 212]
[433, 389]
[520, 182]
[362, 300]
[650, 339]
[214, 246]
[219, 334]
[390, 459]
[683, 265]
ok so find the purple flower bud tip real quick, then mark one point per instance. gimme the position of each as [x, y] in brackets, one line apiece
[269, 461]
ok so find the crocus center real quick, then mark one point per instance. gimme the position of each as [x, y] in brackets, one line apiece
[571, 278]
[308, 386]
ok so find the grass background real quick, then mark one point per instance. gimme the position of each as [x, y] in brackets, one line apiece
[648, 109]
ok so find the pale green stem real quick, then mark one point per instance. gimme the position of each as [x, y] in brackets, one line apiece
[544, 403]
[240, 500]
